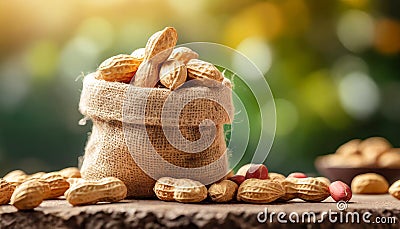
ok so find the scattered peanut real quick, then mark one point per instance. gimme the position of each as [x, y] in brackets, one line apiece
[276, 176]
[36, 175]
[164, 188]
[238, 179]
[108, 189]
[181, 190]
[6, 190]
[189, 191]
[369, 183]
[311, 189]
[324, 179]
[58, 185]
[70, 172]
[394, 189]
[340, 191]
[13, 174]
[73, 181]
[16, 177]
[290, 189]
[298, 175]
[223, 191]
[30, 194]
[260, 191]
[308, 189]
[258, 171]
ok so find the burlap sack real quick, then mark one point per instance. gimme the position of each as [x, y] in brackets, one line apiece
[134, 129]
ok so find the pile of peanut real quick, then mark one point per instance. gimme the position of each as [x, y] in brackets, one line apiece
[27, 192]
[253, 184]
[374, 152]
[158, 64]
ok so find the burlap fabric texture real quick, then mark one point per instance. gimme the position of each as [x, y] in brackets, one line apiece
[133, 129]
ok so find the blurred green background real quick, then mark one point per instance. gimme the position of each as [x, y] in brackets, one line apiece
[333, 67]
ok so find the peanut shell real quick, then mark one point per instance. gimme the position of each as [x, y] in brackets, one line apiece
[389, 159]
[324, 179]
[16, 177]
[198, 69]
[311, 189]
[349, 148]
[108, 189]
[290, 189]
[372, 148]
[223, 191]
[276, 176]
[29, 194]
[394, 190]
[70, 172]
[6, 191]
[260, 191]
[369, 183]
[189, 191]
[160, 45]
[147, 74]
[164, 188]
[138, 53]
[58, 185]
[119, 68]
[173, 74]
[183, 54]
[13, 174]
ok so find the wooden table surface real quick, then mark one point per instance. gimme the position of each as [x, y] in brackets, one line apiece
[159, 214]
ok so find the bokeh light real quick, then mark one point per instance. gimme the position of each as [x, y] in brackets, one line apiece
[15, 83]
[355, 30]
[359, 95]
[333, 67]
[258, 51]
[262, 19]
[387, 36]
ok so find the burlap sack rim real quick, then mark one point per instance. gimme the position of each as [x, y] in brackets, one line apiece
[121, 88]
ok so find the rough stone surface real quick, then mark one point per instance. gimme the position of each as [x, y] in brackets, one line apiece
[158, 214]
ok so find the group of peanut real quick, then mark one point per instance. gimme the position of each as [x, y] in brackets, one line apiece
[158, 64]
[253, 184]
[27, 192]
[372, 152]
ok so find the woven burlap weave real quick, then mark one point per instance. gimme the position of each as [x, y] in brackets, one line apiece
[120, 134]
